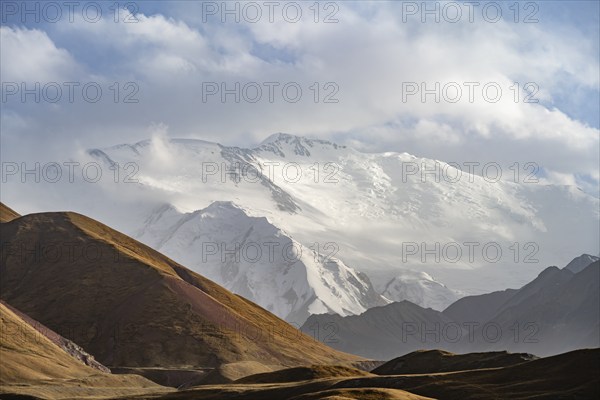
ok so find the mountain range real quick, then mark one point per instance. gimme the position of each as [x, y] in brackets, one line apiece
[87, 312]
[557, 312]
[405, 227]
[253, 258]
[226, 251]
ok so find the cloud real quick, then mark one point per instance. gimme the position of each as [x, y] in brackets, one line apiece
[29, 55]
[160, 149]
[363, 62]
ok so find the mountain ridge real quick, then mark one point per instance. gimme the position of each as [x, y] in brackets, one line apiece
[370, 205]
[535, 319]
[255, 259]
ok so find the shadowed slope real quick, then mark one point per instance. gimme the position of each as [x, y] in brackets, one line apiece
[73, 349]
[381, 332]
[559, 311]
[129, 305]
[303, 374]
[27, 355]
[574, 375]
[360, 394]
[478, 308]
[227, 373]
[433, 361]
[32, 364]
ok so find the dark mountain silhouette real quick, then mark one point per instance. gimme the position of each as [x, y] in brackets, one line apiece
[382, 332]
[559, 311]
[434, 361]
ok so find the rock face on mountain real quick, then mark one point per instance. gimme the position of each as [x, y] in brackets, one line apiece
[253, 258]
[130, 306]
[559, 311]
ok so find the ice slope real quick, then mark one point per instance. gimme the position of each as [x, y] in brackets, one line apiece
[255, 259]
[374, 207]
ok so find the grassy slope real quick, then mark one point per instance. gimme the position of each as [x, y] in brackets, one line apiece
[574, 375]
[32, 364]
[129, 305]
[432, 361]
[303, 374]
[7, 213]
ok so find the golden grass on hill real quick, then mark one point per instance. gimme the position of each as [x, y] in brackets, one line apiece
[361, 394]
[304, 374]
[27, 355]
[231, 372]
[573, 375]
[7, 214]
[131, 306]
[31, 364]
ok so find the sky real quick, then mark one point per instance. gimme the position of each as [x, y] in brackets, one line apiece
[498, 82]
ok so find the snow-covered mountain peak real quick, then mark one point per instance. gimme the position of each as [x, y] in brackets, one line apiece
[223, 207]
[254, 258]
[165, 145]
[285, 145]
[420, 288]
[372, 206]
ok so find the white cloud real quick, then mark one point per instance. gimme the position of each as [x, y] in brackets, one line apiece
[368, 54]
[29, 55]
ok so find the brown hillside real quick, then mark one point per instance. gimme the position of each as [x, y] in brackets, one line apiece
[71, 348]
[433, 361]
[131, 306]
[574, 375]
[304, 374]
[27, 355]
[29, 361]
[7, 214]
